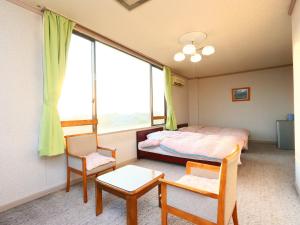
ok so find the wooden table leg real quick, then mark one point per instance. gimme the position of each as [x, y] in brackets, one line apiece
[131, 203]
[99, 207]
[164, 210]
[159, 195]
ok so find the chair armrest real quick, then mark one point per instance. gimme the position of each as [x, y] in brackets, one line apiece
[188, 188]
[202, 166]
[107, 149]
[112, 150]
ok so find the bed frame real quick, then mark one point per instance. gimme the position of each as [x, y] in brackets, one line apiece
[142, 135]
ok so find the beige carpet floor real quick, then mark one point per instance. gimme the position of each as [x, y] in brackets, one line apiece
[266, 195]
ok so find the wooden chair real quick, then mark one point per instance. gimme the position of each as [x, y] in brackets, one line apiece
[206, 195]
[78, 149]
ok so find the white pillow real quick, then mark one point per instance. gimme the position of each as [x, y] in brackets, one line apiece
[160, 135]
[149, 143]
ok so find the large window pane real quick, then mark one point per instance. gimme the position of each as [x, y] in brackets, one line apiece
[158, 95]
[76, 99]
[123, 90]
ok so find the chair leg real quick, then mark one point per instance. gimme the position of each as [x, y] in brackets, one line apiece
[164, 217]
[163, 200]
[84, 188]
[84, 181]
[235, 216]
[68, 179]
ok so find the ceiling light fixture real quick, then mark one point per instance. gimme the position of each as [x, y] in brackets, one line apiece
[191, 46]
[189, 49]
[208, 50]
[179, 56]
[196, 58]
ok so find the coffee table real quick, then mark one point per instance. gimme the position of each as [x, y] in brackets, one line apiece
[129, 182]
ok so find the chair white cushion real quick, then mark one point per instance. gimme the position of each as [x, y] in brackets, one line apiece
[76, 163]
[204, 207]
[95, 159]
[193, 203]
[203, 183]
[101, 168]
[200, 172]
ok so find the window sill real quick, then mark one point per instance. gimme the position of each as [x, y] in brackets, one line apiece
[129, 130]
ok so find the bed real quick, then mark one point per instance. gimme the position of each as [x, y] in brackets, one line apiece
[160, 154]
[243, 134]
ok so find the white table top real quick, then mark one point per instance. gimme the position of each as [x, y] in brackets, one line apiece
[130, 177]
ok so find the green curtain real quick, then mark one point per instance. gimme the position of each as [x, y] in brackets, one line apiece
[171, 120]
[57, 36]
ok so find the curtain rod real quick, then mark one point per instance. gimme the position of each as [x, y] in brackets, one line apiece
[99, 37]
[86, 31]
[81, 29]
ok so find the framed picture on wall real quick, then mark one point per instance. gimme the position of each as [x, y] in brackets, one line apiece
[241, 94]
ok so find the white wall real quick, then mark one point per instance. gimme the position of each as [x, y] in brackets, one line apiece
[271, 99]
[296, 65]
[25, 175]
[22, 172]
[180, 101]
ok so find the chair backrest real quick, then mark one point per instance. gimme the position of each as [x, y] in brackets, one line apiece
[81, 144]
[228, 187]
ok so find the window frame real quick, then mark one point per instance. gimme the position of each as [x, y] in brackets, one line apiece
[94, 83]
[153, 118]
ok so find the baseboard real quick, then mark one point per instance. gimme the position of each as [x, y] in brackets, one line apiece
[263, 142]
[35, 196]
[48, 191]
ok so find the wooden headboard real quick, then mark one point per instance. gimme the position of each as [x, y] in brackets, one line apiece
[142, 134]
[182, 125]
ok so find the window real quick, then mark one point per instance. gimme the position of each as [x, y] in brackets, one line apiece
[75, 102]
[126, 92]
[123, 90]
[158, 104]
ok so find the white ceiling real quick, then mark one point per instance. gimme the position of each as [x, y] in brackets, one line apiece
[246, 34]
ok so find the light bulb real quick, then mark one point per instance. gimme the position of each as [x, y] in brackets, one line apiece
[208, 50]
[196, 58]
[189, 49]
[179, 56]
